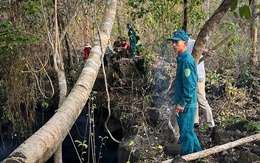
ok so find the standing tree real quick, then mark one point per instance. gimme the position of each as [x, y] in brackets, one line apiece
[209, 27]
[185, 17]
[254, 24]
[59, 69]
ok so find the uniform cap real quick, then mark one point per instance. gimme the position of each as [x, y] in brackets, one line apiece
[179, 35]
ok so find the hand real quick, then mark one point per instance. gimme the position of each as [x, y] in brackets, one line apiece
[211, 53]
[179, 109]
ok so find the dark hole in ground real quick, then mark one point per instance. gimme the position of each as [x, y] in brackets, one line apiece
[105, 151]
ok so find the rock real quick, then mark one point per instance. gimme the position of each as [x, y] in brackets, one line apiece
[247, 157]
[237, 126]
[152, 116]
[113, 125]
[254, 148]
[125, 68]
[257, 143]
[125, 150]
[221, 136]
[173, 149]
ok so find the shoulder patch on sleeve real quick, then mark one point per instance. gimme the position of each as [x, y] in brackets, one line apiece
[187, 72]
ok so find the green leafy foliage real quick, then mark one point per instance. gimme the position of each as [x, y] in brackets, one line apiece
[249, 125]
[20, 101]
[149, 57]
[244, 12]
[247, 79]
[82, 144]
[228, 26]
[5, 118]
[5, 25]
[10, 36]
[84, 147]
[10, 41]
[31, 9]
[252, 126]
[166, 15]
[44, 105]
[234, 5]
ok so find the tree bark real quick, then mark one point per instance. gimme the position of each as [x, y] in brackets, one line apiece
[208, 29]
[226, 39]
[219, 148]
[185, 15]
[120, 17]
[254, 57]
[59, 69]
[43, 143]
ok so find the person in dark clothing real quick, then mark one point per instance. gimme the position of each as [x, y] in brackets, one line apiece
[107, 56]
[132, 39]
[117, 49]
[185, 95]
[117, 43]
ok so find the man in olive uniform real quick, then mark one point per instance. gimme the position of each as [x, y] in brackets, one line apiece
[185, 95]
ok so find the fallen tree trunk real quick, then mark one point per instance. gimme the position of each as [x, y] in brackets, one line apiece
[217, 149]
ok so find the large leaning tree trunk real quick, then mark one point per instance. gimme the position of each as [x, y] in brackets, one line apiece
[208, 29]
[43, 143]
